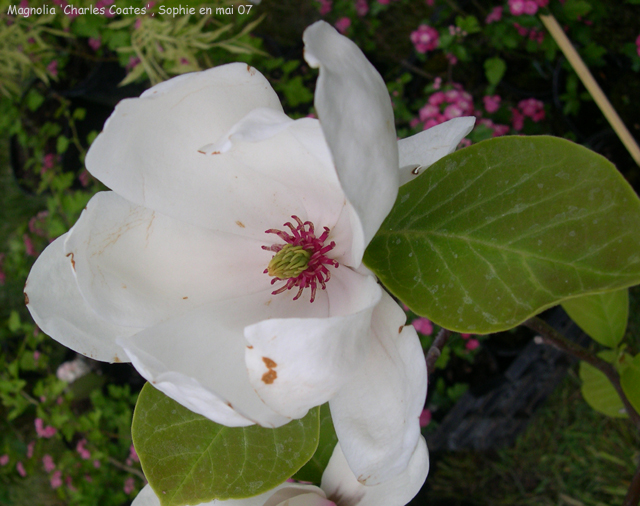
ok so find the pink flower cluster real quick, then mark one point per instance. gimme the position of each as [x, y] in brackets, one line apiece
[3, 276]
[425, 38]
[423, 325]
[48, 464]
[343, 24]
[471, 344]
[325, 7]
[528, 108]
[133, 456]
[638, 45]
[425, 418]
[494, 16]
[362, 7]
[533, 34]
[445, 105]
[129, 486]
[44, 432]
[519, 7]
[84, 453]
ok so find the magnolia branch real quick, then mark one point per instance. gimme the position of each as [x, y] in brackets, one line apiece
[553, 338]
[436, 348]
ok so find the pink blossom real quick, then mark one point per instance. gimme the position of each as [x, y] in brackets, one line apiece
[452, 59]
[464, 143]
[500, 130]
[430, 2]
[84, 453]
[532, 108]
[428, 111]
[4, 460]
[425, 418]
[24, 4]
[423, 325]
[437, 98]
[105, 3]
[184, 61]
[88, 478]
[53, 68]
[542, 3]
[425, 38]
[133, 62]
[3, 276]
[517, 119]
[69, 484]
[494, 15]
[430, 123]
[48, 464]
[465, 336]
[30, 447]
[44, 432]
[29, 247]
[129, 486]
[472, 344]
[95, 43]
[530, 7]
[48, 161]
[136, 25]
[383, 2]
[325, 7]
[516, 7]
[20, 469]
[56, 480]
[96, 464]
[466, 106]
[452, 96]
[437, 82]
[491, 103]
[638, 44]
[343, 24]
[362, 7]
[84, 178]
[414, 122]
[522, 31]
[133, 455]
[452, 111]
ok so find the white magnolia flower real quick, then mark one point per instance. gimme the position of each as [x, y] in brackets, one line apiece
[339, 487]
[226, 262]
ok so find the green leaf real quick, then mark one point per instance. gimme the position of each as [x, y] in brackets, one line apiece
[630, 382]
[312, 470]
[62, 144]
[494, 69]
[499, 231]
[576, 8]
[188, 459]
[599, 393]
[602, 315]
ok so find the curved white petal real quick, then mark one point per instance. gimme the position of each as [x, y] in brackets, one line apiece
[376, 414]
[426, 148]
[137, 267]
[296, 494]
[198, 359]
[56, 305]
[341, 486]
[297, 363]
[357, 119]
[148, 152]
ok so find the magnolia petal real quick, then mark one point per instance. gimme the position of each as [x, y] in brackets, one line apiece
[148, 152]
[357, 119]
[376, 414]
[55, 303]
[426, 148]
[197, 359]
[341, 486]
[297, 363]
[297, 494]
[137, 267]
[147, 497]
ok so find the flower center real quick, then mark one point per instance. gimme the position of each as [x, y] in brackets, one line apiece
[301, 261]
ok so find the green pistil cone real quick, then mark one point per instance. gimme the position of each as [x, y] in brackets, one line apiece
[289, 262]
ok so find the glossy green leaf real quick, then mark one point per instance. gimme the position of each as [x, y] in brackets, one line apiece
[312, 470]
[599, 393]
[630, 382]
[495, 233]
[188, 459]
[603, 316]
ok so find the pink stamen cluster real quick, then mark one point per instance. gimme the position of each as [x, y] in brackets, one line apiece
[316, 272]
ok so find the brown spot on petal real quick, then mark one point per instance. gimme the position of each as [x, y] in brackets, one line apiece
[116, 360]
[250, 347]
[230, 405]
[215, 153]
[240, 224]
[268, 302]
[400, 329]
[185, 298]
[26, 299]
[269, 363]
[73, 262]
[124, 286]
[269, 377]
[202, 152]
